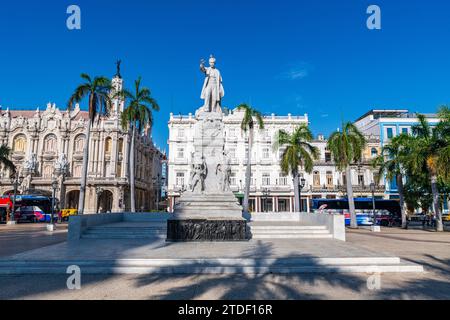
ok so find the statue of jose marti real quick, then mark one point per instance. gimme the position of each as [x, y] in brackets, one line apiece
[212, 91]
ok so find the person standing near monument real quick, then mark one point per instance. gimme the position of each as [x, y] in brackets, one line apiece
[212, 91]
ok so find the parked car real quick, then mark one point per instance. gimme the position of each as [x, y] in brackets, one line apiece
[418, 217]
[31, 214]
[65, 214]
[3, 213]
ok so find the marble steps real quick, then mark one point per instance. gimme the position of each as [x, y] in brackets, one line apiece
[126, 232]
[292, 236]
[214, 266]
[288, 231]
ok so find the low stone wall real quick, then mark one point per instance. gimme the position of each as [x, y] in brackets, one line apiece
[78, 224]
[143, 217]
[334, 223]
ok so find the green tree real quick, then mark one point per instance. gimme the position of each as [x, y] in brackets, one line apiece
[247, 125]
[136, 117]
[97, 91]
[346, 147]
[431, 153]
[298, 152]
[391, 164]
[5, 153]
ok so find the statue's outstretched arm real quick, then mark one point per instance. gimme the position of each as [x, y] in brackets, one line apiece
[202, 66]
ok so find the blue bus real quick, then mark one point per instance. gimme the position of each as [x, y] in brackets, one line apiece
[387, 212]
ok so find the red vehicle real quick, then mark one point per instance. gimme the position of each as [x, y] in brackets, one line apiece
[5, 209]
[28, 208]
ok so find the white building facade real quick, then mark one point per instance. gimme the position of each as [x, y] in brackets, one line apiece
[386, 124]
[270, 190]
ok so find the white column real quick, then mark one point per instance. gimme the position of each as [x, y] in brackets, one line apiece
[102, 155]
[91, 155]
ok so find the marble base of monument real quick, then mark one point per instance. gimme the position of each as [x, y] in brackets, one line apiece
[207, 217]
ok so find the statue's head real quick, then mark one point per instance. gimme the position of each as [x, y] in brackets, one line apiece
[212, 61]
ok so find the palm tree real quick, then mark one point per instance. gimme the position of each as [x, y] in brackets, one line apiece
[298, 152]
[247, 125]
[136, 116]
[392, 162]
[346, 147]
[97, 91]
[432, 154]
[5, 153]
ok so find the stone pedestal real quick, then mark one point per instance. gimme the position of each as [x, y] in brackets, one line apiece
[208, 211]
[211, 229]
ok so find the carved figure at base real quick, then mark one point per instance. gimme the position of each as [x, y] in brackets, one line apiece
[198, 176]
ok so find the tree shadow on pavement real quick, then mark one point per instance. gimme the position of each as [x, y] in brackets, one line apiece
[258, 285]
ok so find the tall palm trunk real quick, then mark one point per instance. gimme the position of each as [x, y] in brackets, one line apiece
[132, 170]
[296, 192]
[436, 205]
[248, 171]
[351, 201]
[402, 199]
[84, 169]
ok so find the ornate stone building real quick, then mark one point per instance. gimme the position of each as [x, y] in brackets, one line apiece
[48, 145]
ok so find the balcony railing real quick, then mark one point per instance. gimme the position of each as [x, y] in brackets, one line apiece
[343, 188]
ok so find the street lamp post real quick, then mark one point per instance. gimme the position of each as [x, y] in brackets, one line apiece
[265, 194]
[300, 188]
[17, 180]
[98, 192]
[375, 228]
[51, 225]
[158, 184]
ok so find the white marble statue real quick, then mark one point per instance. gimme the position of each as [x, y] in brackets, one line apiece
[62, 164]
[212, 91]
[30, 164]
[198, 175]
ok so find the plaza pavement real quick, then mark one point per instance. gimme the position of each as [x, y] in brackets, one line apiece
[28, 236]
[428, 248]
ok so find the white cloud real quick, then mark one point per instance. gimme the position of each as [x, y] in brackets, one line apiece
[295, 72]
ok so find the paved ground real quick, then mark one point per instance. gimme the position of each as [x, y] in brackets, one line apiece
[428, 248]
[28, 236]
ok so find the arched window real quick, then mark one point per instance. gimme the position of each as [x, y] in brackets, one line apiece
[108, 146]
[79, 143]
[50, 143]
[20, 143]
[316, 179]
[48, 170]
[374, 152]
[77, 170]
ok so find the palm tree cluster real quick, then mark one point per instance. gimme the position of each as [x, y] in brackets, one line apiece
[136, 117]
[297, 153]
[420, 164]
[346, 147]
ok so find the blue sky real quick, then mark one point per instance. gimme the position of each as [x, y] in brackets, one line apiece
[315, 57]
